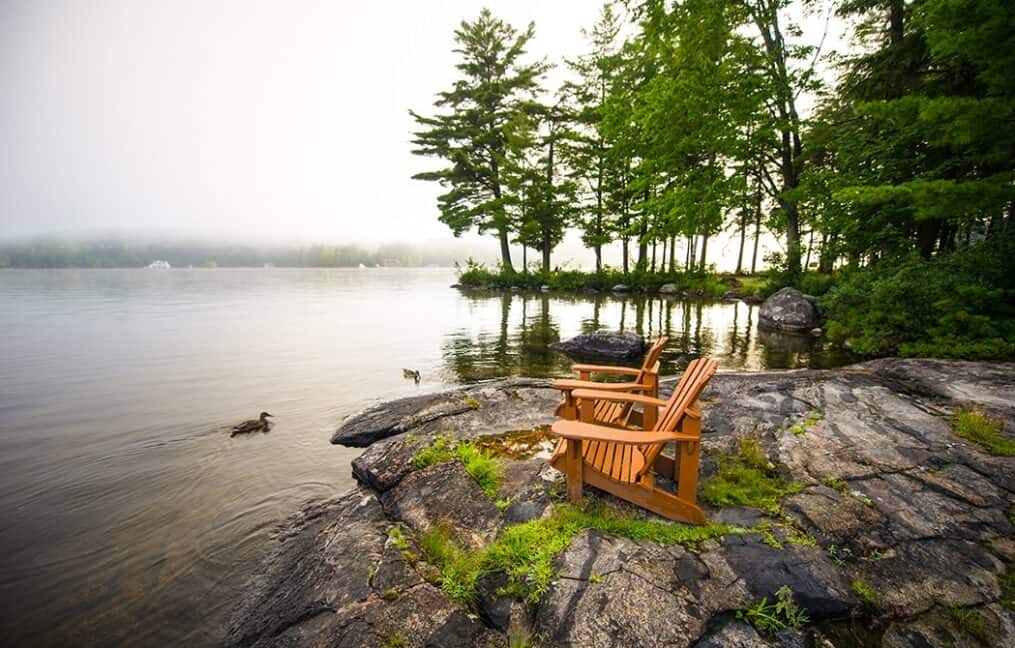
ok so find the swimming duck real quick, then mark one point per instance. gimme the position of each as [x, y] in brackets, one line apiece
[261, 424]
[411, 373]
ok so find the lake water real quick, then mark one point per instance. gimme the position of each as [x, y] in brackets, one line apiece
[127, 513]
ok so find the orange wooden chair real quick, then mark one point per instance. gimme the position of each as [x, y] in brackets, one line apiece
[624, 461]
[607, 412]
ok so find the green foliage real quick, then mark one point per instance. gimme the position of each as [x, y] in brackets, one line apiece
[840, 485]
[956, 306]
[390, 594]
[972, 622]
[525, 551]
[697, 285]
[747, 478]
[773, 617]
[472, 402]
[866, 593]
[395, 641]
[481, 465]
[460, 569]
[1007, 583]
[984, 430]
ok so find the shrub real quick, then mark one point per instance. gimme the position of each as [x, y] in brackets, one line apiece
[956, 306]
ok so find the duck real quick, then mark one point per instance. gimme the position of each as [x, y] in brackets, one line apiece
[411, 373]
[260, 424]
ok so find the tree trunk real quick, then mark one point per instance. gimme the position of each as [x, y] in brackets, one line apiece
[626, 254]
[743, 233]
[673, 253]
[927, 232]
[525, 262]
[704, 250]
[505, 252]
[757, 238]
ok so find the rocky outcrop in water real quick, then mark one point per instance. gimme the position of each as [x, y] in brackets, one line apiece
[789, 310]
[604, 345]
[899, 534]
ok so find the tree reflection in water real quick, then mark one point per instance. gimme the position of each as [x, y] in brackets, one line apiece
[509, 333]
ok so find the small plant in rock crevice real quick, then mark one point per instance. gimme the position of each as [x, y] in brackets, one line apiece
[480, 464]
[866, 593]
[984, 430]
[779, 615]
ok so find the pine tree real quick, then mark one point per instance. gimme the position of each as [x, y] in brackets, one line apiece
[471, 134]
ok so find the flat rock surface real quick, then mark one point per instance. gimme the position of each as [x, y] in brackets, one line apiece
[889, 497]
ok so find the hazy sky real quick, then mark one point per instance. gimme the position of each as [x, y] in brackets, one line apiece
[264, 120]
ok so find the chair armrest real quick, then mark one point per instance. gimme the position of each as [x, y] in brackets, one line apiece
[613, 397]
[578, 431]
[625, 371]
[568, 385]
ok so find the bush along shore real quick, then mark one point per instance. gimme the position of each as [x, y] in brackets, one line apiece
[864, 506]
[690, 285]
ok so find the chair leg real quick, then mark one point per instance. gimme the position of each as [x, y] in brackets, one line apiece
[573, 465]
[688, 455]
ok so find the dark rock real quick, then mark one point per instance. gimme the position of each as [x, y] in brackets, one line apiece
[732, 634]
[617, 592]
[789, 310]
[621, 288]
[320, 586]
[818, 586]
[444, 494]
[494, 608]
[668, 289]
[544, 288]
[753, 298]
[603, 344]
[388, 419]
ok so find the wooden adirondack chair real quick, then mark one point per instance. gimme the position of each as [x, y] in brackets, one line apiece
[607, 412]
[623, 461]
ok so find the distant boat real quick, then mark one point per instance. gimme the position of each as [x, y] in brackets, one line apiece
[159, 264]
[362, 267]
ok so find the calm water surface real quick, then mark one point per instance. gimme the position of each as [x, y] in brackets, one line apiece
[127, 513]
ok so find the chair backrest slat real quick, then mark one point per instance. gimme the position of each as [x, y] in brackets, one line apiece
[697, 375]
[691, 384]
[651, 358]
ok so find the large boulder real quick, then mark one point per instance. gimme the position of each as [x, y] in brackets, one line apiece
[789, 310]
[608, 345]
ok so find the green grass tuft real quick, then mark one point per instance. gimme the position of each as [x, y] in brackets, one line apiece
[1007, 583]
[841, 485]
[747, 479]
[460, 568]
[974, 425]
[472, 402]
[480, 464]
[866, 593]
[971, 622]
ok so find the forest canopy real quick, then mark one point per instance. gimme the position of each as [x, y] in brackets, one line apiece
[683, 119]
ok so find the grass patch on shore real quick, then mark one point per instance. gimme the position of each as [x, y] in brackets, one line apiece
[480, 464]
[984, 430]
[525, 551]
[747, 478]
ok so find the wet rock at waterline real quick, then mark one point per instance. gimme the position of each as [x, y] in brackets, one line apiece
[789, 310]
[889, 502]
[607, 345]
